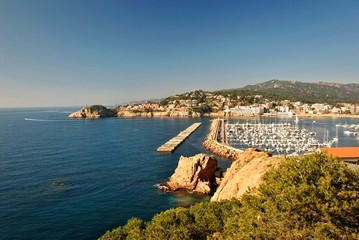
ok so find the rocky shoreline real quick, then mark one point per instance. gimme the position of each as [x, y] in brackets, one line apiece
[201, 174]
[98, 111]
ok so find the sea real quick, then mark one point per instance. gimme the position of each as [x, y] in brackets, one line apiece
[64, 178]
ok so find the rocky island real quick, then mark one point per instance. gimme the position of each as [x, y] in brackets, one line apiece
[94, 111]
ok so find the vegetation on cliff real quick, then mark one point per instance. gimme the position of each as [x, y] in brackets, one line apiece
[320, 92]
[97, 108]
[314, 197]
[94, 111]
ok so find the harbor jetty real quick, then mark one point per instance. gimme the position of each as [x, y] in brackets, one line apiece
[215, 142]
[172, 144]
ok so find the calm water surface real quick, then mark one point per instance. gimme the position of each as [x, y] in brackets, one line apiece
[74, 179]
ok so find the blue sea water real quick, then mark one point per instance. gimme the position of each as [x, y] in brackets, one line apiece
[66, 178]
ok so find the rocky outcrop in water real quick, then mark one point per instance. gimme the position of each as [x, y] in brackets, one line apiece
[193, 173]
[246, 172]
[94, 111]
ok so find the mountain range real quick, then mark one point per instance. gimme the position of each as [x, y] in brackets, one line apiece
[320, 92]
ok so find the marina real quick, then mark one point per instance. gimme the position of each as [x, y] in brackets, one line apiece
[275, 137]
[352, 129]
[172, 144]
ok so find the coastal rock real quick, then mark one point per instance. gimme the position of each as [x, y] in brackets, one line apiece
[168, 113]
[215, 114]
[246, 172]
[193, 173]
[161, 114]
[94, 111]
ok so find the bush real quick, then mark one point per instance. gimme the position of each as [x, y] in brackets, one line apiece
[97, 108]
[314, 197]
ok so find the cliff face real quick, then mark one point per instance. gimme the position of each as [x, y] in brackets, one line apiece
[96, 111]
[168, 113]
[101, 111]
[193, 173]
[246, 172]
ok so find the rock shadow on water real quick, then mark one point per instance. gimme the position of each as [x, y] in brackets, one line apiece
[47, 193]
[186, 199]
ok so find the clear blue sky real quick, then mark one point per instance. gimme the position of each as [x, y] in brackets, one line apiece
[82, 52]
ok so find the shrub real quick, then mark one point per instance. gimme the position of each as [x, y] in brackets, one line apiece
[312, 197]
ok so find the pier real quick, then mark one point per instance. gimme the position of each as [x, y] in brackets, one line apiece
[172, 144]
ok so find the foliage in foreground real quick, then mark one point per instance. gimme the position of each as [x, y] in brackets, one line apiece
[314, 197]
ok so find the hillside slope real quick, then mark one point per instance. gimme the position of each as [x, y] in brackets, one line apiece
[309, 92]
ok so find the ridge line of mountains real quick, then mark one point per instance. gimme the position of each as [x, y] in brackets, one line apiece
[319, 92]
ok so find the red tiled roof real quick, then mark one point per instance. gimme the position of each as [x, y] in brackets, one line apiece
[342, 152]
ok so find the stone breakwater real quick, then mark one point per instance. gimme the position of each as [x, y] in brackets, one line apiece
[217, 148]
[172, 144]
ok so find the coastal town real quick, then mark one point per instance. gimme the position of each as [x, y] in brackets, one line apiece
[202, 103]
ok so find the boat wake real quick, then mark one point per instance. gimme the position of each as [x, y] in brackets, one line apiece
[43, 120]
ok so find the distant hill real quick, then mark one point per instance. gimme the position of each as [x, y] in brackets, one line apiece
[277, 90]
[300, 91]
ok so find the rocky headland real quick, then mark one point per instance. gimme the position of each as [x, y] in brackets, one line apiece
[94, 111]
[98, 111]
[201, 174]
[245, 173]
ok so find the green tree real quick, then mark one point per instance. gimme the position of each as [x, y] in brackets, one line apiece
[312, 197]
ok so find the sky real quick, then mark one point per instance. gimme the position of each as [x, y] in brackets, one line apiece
[84, 52]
